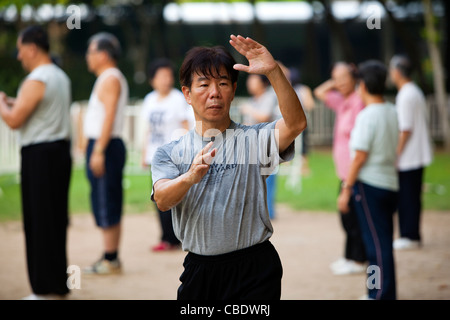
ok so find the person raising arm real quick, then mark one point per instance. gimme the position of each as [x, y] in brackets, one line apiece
[167, 193]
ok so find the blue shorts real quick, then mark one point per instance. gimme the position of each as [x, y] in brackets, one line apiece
[107, 191]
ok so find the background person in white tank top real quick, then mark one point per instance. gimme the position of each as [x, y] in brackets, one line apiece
[105, 155]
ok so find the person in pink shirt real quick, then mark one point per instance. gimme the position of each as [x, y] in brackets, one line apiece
[339, 94]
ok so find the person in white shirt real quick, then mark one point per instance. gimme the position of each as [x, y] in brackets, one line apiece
[167, 117]
[414, 151]
[106, 151]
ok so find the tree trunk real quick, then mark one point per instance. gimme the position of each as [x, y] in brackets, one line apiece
[447, 44]
[339, 35]
[258, 33]
[438, 74]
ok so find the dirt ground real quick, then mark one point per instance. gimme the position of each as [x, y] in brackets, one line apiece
[307, 243]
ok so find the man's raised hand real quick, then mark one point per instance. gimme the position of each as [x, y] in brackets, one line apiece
[259, 58]
[200, 164]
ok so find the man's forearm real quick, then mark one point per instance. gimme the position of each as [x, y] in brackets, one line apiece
[7, 115]
[321, 91]
[403, 139]
[290, 106]
[103, 141]
[168, 193]
[355, 166]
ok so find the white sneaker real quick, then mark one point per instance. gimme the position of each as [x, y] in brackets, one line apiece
[104, 267]
[339, 262]
[365, 297]
[34, 296]
[349, 267]
[405, 244]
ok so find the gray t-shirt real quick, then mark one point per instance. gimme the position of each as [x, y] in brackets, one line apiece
[50, 121]
[227, 209]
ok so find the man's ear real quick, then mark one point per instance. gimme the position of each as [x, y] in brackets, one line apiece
[362, 90]
[187, 94]
[34, 49]
[234, 89]
[362, 86]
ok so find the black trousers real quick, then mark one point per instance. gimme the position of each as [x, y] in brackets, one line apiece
[252, 273]
[354, 244]
[45, 178]
[167, 234]
[410, 203]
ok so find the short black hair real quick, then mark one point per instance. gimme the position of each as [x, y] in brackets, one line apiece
[374, 74]
[37, 35]
[108, 43]
[207, 61]
[157, 64]
[403, 64]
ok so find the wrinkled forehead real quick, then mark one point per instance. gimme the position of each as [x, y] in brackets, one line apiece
[210, 72]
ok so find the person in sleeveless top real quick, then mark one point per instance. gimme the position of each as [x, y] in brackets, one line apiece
[41, 115]
[415, 151]
[106, 151]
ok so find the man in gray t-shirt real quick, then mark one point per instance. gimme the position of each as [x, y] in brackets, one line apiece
[41, 114]
[214, 177]
[235, 215]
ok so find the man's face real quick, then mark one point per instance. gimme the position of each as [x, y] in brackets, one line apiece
[211, 97]
[393, 75]
[343, 80]
[93, 56]
[25, 52]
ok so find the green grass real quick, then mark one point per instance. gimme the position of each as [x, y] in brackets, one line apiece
[136, 192]
[136, 184]
[316, 192]
[10, 205]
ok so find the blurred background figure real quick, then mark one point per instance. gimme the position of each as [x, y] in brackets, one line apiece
[306, 97]
[338, 94]
[41, 113]
[414, 151]
[372, 179]
[106, 150]
[262, 107]
[167, 116]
